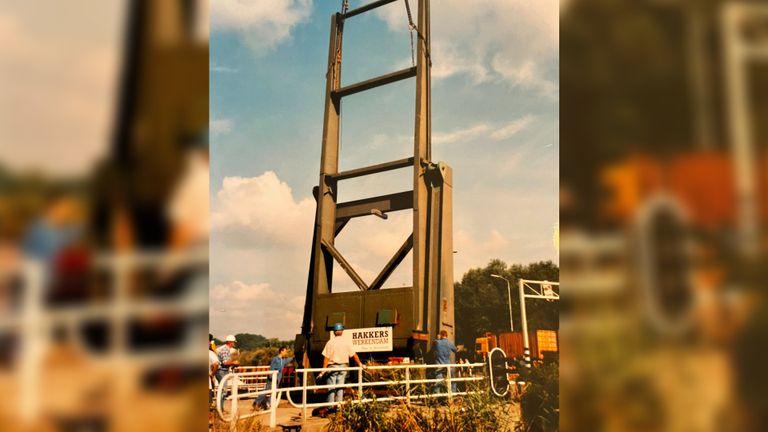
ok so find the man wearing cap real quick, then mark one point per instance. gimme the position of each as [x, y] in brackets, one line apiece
[336, 354]
[226, 362]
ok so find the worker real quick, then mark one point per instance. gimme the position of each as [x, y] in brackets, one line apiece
[213, 366]
[336, 354]
[442, 348]
[226, 353]
[278, 363]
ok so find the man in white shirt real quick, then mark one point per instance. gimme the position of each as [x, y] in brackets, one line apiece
[213, 365]
[336, 354]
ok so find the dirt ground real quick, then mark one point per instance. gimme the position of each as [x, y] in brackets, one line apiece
[287, 414]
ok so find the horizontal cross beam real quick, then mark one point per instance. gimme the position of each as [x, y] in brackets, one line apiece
[373, 169]
[366, 8]
[374, 82]
[384, 203]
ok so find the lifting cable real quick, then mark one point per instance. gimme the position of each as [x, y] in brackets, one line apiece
[412, 27]
[331, 66]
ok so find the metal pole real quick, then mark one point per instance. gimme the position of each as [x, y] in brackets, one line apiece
[275, 401]
[360, 384]
[509, 294]
[408, 384]
[740, 122]
[449, 383]
[526, 344]
[33, 342]
[233, 419]
[304, 398]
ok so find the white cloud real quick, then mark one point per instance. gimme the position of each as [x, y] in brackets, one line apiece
[522, 74]
[512, 128]
[259, 231]
[473, 132]
[219, 126]
[261, 23]
[480, 40]
[261, 210]
[493, 132]
[473, 246]
[223, 69]
[468, 133]
[449, 61]
[239, 307]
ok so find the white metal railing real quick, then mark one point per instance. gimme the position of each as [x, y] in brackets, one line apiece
[252, 382]
[33, 319]
[233, 380]
[410, 383]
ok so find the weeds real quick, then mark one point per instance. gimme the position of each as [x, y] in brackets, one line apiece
[476, 412]
[251, 424]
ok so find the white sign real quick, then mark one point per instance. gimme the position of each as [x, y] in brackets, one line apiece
[372, 339]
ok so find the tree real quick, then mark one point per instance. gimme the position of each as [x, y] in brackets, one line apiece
[482, 301]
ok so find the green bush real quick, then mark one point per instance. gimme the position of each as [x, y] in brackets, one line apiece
[540, 401]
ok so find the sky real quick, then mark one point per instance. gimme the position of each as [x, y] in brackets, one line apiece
[494, 121]
[62, 61]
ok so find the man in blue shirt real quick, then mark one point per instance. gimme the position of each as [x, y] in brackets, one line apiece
[278, 363]
[442, 348]
[54, 230]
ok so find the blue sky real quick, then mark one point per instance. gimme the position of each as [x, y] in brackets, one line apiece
[494, 120]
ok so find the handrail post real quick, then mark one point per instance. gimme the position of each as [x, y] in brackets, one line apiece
[233, 420]
[275, 402]
[304, 398]
[360, 383]
[449, 383]
[408, 384]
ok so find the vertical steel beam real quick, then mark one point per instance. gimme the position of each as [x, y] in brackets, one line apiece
[329, 162]
[444, 233]
[421, 150]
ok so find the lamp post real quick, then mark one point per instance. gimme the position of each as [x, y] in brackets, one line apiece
[509, 293]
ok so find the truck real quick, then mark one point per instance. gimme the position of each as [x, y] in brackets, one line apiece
[544, 343]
